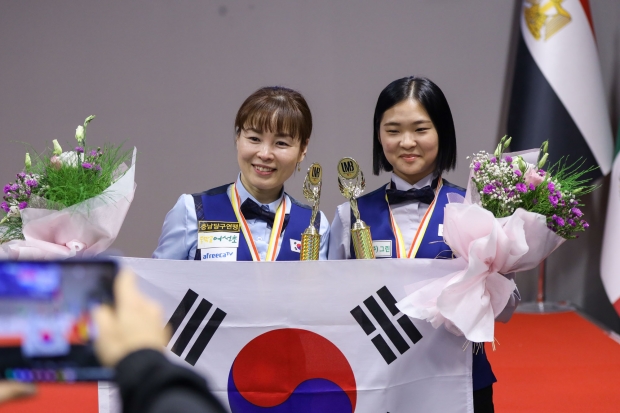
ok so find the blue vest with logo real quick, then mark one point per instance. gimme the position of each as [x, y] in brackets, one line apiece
[214, 205]
[374, 211]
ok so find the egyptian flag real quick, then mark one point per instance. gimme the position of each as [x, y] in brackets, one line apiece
[557, 93]
[610, 254]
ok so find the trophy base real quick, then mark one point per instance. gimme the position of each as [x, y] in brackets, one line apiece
[362, 241]
[310, 245]
[544, 307]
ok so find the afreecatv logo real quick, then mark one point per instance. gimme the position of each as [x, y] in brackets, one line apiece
[291, 370]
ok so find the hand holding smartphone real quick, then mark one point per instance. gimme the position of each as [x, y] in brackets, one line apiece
[46, 327]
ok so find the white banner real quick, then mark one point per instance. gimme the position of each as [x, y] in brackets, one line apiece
[321, 336]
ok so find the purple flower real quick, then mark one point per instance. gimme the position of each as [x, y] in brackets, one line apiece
[571, 222]
[508, 159]
[518, 172]
[23, 205]
[87, 165]
[577, 212]
[5, 206]
[541, 172]
[97, 168]
[21, 175]
[32, 183]
[28, 192]
[553, 200]
[7, 188]
[93, 153]
[14, 187]
[558, 194]
[79, 149]
[551, 187]
[494, 160]
[532, 187]
[585, 224]
[476, 166]
[558, 220]
[488, 189]
[521, 187]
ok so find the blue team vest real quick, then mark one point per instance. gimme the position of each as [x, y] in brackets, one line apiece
[375, 213]
[214, 205]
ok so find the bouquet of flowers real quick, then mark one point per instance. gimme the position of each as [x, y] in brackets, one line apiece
[513, 216]
[67, 203]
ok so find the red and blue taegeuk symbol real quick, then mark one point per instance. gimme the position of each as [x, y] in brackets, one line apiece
[291, 370]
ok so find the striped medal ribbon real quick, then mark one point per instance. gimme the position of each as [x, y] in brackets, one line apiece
[419, 235]
[276, 230]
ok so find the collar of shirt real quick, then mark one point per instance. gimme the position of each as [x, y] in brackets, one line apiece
[403, 185]
[273, 206]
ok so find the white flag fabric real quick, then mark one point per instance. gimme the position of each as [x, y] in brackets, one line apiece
[314, 336]
[610, 253]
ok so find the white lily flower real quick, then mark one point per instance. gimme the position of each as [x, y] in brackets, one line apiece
[57, 149]
[80, 134]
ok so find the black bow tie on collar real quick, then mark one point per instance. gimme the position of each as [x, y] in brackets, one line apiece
[425, 194]
[251, 210]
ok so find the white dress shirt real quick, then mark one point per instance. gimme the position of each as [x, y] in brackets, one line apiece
[179, 235]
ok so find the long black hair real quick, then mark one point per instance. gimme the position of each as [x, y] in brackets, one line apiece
[429, 95]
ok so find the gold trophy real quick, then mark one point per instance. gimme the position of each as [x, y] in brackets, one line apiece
[310, 239]
[351, 183]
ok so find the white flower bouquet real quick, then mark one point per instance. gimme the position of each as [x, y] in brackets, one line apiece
[67, 204]
[514, 215]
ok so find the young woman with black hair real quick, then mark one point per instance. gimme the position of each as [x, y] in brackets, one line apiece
[414, 138]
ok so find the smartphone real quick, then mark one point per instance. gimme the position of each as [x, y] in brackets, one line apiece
[46, 328]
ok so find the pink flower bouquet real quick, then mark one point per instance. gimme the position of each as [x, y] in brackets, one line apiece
[514, 215]
[68, 203]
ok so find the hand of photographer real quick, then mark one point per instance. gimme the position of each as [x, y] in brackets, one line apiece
[135, 323]
[11, 390]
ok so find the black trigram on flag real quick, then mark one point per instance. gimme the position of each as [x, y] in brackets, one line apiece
[385, 322]
[192, 325]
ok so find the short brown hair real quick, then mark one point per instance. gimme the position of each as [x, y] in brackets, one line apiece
[276, 109]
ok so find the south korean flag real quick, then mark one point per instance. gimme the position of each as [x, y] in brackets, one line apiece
[311, 336]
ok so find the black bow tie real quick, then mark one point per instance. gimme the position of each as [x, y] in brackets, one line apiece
[424, 195]
[251, 210]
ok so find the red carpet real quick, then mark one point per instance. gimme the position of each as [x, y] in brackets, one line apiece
[58, 398]
[555, 363]
[544, 363]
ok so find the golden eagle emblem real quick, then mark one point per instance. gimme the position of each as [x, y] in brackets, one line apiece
[545, 18]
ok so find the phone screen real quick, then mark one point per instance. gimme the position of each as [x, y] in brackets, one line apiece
[46, 329]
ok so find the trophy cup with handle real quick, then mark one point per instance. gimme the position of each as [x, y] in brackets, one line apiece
[351, 183]
[311, 239]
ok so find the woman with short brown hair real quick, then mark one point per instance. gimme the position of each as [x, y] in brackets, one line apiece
[252, 219]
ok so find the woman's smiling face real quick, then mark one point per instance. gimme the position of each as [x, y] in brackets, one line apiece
[266, 161]
[409, 139]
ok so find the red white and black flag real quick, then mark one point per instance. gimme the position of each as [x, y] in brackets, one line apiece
[557, 91]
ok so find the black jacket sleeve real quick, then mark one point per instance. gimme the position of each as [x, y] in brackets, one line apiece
[149, 383]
